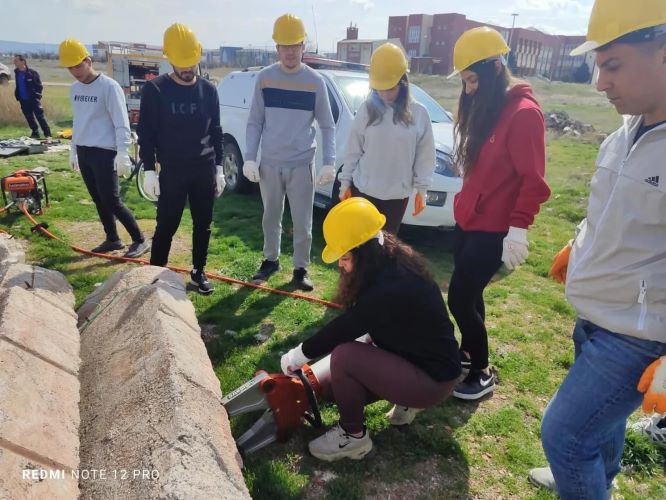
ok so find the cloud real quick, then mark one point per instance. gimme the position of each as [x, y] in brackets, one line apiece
[365, 4]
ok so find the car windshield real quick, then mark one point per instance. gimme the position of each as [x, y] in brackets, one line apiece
[354, 90]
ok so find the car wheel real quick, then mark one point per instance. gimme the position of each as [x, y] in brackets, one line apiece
[4, 79]
[233, 169]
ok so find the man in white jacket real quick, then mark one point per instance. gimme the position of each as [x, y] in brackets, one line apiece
[100, 140]
[616, 272]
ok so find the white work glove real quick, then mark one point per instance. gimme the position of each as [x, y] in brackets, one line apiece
[514, 248]
[293, 360]
[122, 164]
[73, 159]
[326, 175]
[151, 183]
[251, 171]
[220, 183]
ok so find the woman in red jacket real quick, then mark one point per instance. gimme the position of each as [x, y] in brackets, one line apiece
[500, 153]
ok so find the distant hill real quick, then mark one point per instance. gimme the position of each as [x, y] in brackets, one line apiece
[10, 48]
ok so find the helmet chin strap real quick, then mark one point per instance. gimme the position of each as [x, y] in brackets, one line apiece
[380, 237]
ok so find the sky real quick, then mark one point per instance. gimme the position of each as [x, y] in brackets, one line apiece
[250, 22]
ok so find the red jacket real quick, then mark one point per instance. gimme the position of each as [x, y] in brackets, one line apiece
[506, 185]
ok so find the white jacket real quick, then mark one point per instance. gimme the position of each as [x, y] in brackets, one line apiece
[617, 269]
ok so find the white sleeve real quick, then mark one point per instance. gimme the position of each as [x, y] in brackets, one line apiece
[117, 107]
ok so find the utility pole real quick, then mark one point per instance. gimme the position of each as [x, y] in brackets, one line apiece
[513, 25]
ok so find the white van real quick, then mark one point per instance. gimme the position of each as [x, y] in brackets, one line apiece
[347, 90]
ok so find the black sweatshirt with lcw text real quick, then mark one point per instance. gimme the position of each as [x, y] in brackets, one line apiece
[179, 125]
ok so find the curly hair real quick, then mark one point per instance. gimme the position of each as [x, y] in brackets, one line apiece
[370, 258]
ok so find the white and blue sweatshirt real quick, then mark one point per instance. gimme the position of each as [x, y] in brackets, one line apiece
[282, 113]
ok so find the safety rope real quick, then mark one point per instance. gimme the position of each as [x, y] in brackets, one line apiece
[41, 227]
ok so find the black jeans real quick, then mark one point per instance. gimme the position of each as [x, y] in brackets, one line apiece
[477, 256]
[177, 186]
[97, 170]
[33, 109]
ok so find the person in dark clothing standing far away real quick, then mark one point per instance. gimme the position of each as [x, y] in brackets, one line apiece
[288, 97]
[500, 152]
[179, 126]
[409, 355]
[615, 267]
[100, 139]
[391, 150]
[28, 93]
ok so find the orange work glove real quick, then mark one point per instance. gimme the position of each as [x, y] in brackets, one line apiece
[558, 271]
[419, 202]
[653, 385]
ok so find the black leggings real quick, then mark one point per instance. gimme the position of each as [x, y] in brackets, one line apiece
[100, 177]
[393, 210]
[177, 186]
[477, 256]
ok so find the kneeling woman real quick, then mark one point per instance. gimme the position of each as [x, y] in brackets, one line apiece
[388, 293]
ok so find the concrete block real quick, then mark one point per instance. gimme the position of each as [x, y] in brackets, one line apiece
[151, 403]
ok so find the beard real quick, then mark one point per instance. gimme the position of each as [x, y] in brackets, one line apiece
[186, 76]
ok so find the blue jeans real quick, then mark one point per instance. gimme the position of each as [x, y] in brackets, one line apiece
[584, 424]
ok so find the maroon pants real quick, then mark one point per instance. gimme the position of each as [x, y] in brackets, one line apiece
[393, 210]
[363, 373]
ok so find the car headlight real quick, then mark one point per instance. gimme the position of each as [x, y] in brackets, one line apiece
[444, 164]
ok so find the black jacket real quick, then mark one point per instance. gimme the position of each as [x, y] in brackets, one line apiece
[404, 314]
[32, 82]
[179, 125]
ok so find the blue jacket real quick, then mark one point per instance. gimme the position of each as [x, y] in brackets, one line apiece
[32, 82]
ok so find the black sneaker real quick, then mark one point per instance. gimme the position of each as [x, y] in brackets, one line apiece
[199, 279]
[108, 246]
[266, 270]
[34, 135]
[137, 249]
[301, 280]
[476, 385]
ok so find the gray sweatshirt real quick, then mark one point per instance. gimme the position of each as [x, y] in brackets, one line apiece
[388, 160]
[282, 114]
[100, 114]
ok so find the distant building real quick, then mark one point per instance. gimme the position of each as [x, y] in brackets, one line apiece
[354, 50]
[429, 41]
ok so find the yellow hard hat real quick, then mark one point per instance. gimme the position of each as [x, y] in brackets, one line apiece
[72, 52]
[288, 30]
[387, 66]
[181, 46]
[476, 45]
[348, 225]
[611, 19]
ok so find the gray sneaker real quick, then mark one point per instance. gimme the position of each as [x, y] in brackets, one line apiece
[137, 249]
[402, 415]
[543, 478]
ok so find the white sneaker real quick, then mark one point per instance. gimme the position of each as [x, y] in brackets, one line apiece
[337, 444]
[653, 427]
[402, 415]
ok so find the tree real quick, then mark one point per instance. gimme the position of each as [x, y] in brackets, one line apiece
[582, 74]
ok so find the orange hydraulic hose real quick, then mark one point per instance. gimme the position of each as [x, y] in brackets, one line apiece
[218, 277]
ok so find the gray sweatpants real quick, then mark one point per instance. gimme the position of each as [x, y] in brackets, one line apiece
[298, 184]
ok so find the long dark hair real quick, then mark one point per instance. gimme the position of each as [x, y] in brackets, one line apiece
[478, 114]
[376, 107]
[370, 258]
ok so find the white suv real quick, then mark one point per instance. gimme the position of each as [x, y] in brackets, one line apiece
[347, 90]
